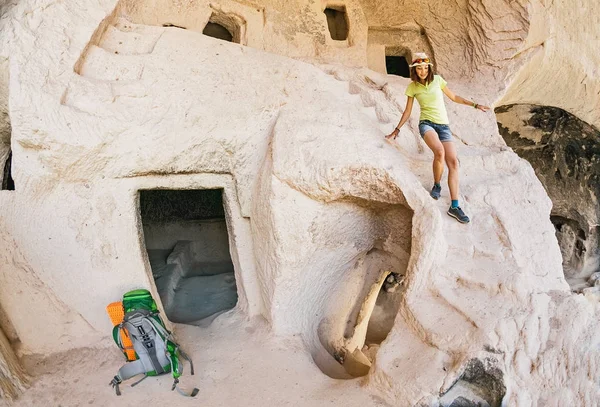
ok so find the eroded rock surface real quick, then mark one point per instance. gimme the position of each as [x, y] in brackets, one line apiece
[565, 154]
[107, 98]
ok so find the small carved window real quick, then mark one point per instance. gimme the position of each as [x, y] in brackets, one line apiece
[217, 31]
[224, 26]
[397, 65]
[337, 22]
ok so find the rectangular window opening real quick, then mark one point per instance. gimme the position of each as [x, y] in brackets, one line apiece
[397, 65]
[337, 22]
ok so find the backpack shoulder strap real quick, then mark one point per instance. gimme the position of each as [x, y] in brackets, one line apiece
[139, 323]
[186, 357]
[127, 371]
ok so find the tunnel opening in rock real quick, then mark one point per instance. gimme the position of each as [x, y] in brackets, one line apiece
[187, 243]
[223, 26]
[374, 321]
[371, 292]
[217, 31]
[572, 240]
[397, 65]
[8, 184]
[337, 22]
[564, 151]
[480, 384]
[385, 310]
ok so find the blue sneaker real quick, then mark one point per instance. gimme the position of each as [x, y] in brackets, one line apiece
[436, 191]
[458, 214]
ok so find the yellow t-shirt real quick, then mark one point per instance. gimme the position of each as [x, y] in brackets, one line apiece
[431, 99]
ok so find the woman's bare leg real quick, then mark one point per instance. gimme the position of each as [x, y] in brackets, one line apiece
[433, 142]
[452, 163]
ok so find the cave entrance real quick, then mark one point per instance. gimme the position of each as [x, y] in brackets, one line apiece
[396, 61]
[574, 245]
[337, 22]
[480, 384]
[224, 26]
[397, 65]
[375, 320]
[385, 310]
[8, 184]
[371, 291]
[216, 30]
[187, 242]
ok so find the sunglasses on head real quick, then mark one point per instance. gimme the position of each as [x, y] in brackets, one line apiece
[421, 60]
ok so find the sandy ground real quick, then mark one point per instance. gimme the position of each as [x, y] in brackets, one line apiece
[237, 363]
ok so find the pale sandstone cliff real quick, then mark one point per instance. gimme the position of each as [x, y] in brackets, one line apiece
[104, 101]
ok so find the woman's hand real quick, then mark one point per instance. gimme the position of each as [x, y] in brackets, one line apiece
[393, 134]
[482, 108]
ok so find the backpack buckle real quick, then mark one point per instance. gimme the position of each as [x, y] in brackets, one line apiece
[115, 384]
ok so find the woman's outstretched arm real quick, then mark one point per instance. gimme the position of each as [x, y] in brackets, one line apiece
[461, 100]
[403, 119]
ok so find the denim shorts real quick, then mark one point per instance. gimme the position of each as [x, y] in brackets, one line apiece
[442, 130]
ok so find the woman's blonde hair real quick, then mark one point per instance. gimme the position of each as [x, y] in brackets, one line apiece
[415, 78]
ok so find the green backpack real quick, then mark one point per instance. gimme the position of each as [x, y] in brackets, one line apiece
[155, 350]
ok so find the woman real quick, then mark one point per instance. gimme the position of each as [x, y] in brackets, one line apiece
[427, 88]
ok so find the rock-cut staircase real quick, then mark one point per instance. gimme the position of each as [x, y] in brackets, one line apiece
[479, 285]
[113, 67]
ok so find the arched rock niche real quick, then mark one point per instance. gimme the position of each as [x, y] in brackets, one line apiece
[564, 151]
[362, 309]
[225, 26]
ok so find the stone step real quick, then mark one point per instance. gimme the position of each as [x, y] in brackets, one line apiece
[376, 99]
[87, 94]
[123, 24]
[107, 66]
[129, 42]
